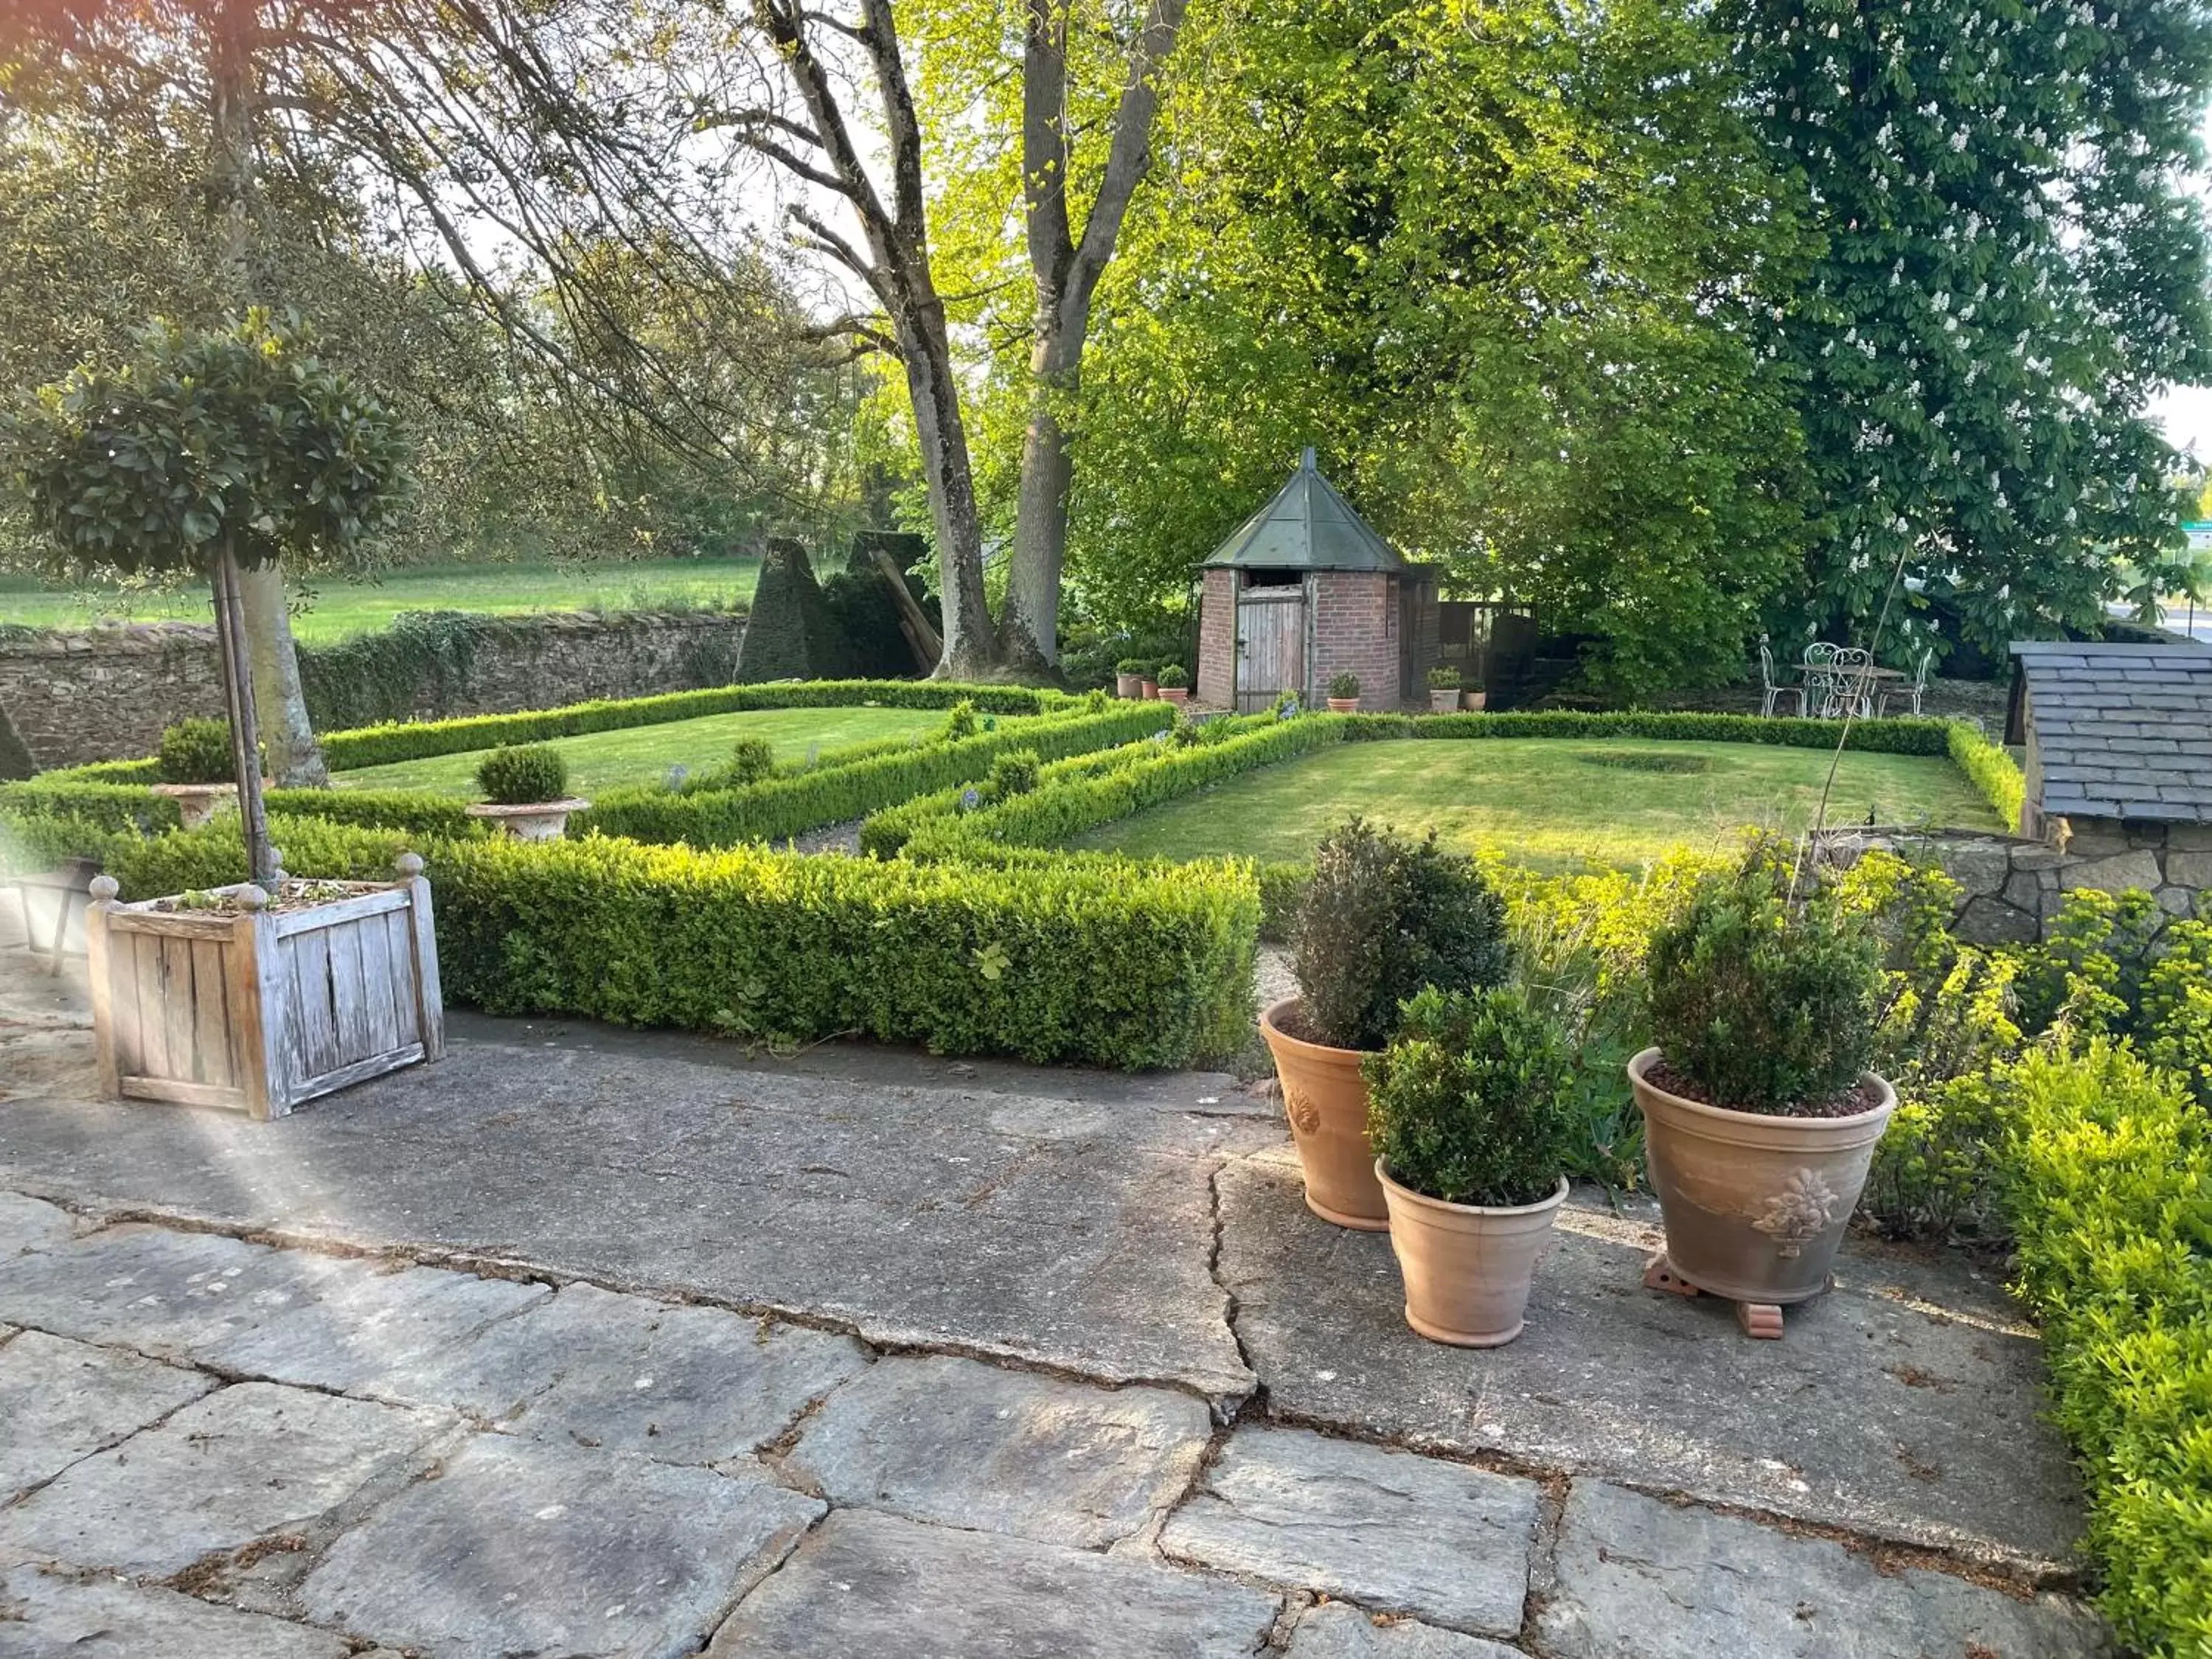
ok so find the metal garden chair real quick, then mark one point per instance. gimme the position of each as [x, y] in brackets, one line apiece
[1772, 686]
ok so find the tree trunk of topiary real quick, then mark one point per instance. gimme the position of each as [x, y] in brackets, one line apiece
[295, 759]
[245, 726]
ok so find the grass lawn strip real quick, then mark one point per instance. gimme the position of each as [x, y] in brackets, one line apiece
[1552, 804]
[643, 754]
[335, 608]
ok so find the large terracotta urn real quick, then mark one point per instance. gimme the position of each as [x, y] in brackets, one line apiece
[1755, 1206]
[1325, 1097]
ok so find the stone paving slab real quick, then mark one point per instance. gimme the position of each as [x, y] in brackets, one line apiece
[1640, 1579]
[362, 1320]
[162, 1291]
[28, 1224]
[970, 1445]
[866, 1584]
[62, 1400]
[46, 1612]
[1393, 1531]
[678, 1384]
[1048, 1222]
[239, 1465]
[522, 1546]
[1872, 1414]
[1334, 1631]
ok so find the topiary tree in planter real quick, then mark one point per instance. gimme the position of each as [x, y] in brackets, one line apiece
[212, 452]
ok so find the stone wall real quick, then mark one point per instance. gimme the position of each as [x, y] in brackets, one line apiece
[107, 694]
[2011, 887]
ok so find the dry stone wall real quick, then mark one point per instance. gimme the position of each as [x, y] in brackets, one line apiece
[2010, 887]
[108, 693]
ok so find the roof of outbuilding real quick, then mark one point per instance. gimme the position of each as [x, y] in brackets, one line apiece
[1307, 526]
[2122, 730]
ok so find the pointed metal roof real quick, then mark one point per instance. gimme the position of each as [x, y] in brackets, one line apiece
[1308, 527]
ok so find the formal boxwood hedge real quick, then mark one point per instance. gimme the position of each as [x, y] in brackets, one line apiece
[375, 746]
[1900, 736]
[1112, 967]
[1990, 770]
[2108, 1186]
[126, 806]
[833, 793]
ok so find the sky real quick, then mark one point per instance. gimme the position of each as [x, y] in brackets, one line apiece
[2186, 412]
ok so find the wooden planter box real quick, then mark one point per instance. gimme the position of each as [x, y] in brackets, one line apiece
[261, 1007]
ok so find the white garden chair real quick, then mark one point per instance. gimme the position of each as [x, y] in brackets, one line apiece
[1772, 687]
[1838, 681]
[1912, 693]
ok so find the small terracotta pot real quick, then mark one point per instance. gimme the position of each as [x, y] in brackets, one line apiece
[1755, 1206]
[1344, 705]
[1149, 691]
[544, 820]
[1442, 701]
[1474, 701]
[1325, 1097]
[1128, 685]
[1467, 1268]
[1175, 694]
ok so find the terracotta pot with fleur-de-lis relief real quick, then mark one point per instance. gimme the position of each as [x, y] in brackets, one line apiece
[1755, 1206]
[1325, 1097]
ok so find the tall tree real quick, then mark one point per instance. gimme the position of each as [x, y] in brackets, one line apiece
[2013, 267]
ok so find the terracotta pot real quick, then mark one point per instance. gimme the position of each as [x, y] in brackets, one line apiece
[1441, 702]
[1344, 705]
[1755, 1207]
[1128, 685]
[544, 820]
[1476, 702]
[1467, 1268]
[1175, 694]
[1325, 1097]
[1149, 691]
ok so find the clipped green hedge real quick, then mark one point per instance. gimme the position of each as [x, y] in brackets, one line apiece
[2109, 1191]
[832, 793]
[125, 806]
[111, 806]
[375, 746]
[1990, 770]
[1112, 967]
[1901, 736]
[120, 771]
[1065, 803]
[173, 860]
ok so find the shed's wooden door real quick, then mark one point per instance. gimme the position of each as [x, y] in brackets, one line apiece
[1271, 645]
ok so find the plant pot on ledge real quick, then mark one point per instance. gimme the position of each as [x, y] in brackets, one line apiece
[198, 802]
[238, 999]
[1474, 701]
[1468, 1267]
[523, 788]
[1443, 700]
[1325, 1097]
[1755, 1206]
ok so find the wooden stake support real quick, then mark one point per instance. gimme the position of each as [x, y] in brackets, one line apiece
[1762, 1320]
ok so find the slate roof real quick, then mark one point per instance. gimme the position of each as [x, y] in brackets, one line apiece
[2121, 731]
[1307, 526]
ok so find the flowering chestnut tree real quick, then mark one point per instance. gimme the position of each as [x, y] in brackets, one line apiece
[212, 451]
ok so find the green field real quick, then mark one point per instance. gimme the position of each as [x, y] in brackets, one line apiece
[643, 754]
[1553, 804]
[330, 608]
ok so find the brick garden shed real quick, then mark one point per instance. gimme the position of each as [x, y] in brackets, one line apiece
[2118, 762]
[1304, 590]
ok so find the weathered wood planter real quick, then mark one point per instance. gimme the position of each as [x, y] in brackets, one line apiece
[262, 1006]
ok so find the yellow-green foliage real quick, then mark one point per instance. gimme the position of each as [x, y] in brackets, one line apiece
[2110, 1195]
[1990, 770]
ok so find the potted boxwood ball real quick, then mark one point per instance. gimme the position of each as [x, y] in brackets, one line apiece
[1381, 918]
[1760, 1113]
[523, 793]
[1443, 690]
[1129, 677]
[1174, 684]
[195, 761]
[1470, 1112]
[1344, 695]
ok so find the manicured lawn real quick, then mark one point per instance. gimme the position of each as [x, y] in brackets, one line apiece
[330, 608]
[1550, 803]
[643, 754]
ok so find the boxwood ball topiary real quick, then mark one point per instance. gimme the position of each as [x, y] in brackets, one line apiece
[523, 776]
[196, 752]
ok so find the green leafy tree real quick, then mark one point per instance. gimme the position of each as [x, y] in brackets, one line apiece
[2012, 267]
[216, 452]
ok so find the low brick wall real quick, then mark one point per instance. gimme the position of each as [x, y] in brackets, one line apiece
[108, 693]
[2011, 887]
